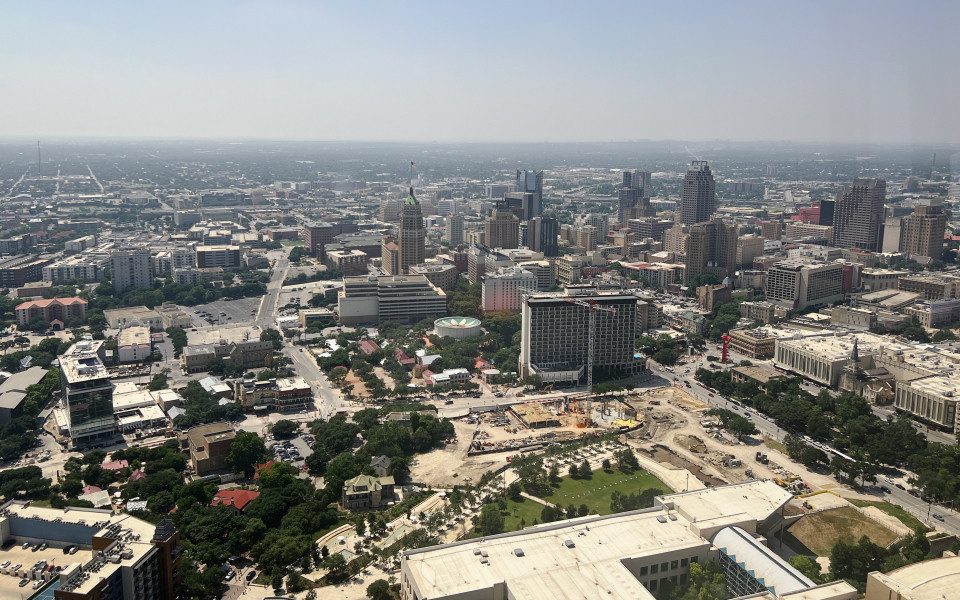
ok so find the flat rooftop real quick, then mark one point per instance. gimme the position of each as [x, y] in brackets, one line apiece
[930, 579]
[838, 347]
[587, 558]
[939, 385]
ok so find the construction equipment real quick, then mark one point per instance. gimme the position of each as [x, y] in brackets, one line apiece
[593, 307]
[546, 388]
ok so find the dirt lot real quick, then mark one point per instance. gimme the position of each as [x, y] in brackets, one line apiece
[437, 468]
[817, 533]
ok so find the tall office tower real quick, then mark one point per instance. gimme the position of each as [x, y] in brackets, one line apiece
[87, 393]
[131, 269]
[826, 213]
[858, 214]
[601, 223]
[697, 194]
[531, 182]
[411, 235]
[711, 249]
[454, 231]
[550, 324]
[635, 196]
[922, 232]
[543, 236]
[502, 228]
[389, 211]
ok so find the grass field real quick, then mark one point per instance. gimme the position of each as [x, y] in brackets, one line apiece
[893, 510]
[774, 445]
[595, 492]
[820, 531]
[528, 510]
[292, 243]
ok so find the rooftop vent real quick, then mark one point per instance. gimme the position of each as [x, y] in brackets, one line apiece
[569, 543]
[518, 551]
[662, 519]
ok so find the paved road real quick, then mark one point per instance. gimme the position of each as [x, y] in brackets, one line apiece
[268, 305]
[327, 400]
[915, 506]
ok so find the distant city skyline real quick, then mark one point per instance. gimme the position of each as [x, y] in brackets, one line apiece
[851, 72]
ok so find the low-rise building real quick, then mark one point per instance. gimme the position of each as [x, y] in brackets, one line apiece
[136, 315]
[197, 275]
[754, 343]
[759, 375]
[448, 376]
[54, 310]
[875, 279]
[365, 492]
[932, 399]
[625, 556]
[274, 394]
[763, 311]
[935, 313]
[84, 268]
[709, 296]
[134, 345]
[934, 579]
[855, 318]
[348, 262]
[247, 355]
[236, 500]
[208, 446]
[227, 257]
[397, 298]
[440, 275]
[931, 287]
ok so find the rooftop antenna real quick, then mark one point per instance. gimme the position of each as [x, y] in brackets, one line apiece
[413, 166]
[39, 173]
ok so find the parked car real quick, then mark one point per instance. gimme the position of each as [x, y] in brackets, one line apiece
[938, 516]
[251, 575]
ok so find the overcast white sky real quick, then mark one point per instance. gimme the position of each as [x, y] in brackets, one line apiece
[877, 71]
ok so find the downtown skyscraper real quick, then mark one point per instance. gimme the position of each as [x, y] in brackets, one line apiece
[858, 214]
[697, 194]
[634, 196]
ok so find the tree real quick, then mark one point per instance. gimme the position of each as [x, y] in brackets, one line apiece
[246, 451]
[808, 567]
[379, 590]
[574, 471]
[606, 464]
[706, 582]
[284, 429]
[491, 521]
[583, 510]
[585, 471]
[944, 335]
[854, 562]
[336, 567]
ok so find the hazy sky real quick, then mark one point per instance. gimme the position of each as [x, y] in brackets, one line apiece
[874, 71]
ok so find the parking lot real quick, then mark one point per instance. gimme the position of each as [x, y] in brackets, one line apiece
[235, 311]
[300, 445]
[9, 583]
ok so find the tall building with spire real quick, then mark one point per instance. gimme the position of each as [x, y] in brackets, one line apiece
[411, 236]
[697, 194]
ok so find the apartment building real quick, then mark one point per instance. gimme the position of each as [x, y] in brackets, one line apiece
[274, 394]
[131, 269]
[82, 267]
[60, 310]
[225, 257]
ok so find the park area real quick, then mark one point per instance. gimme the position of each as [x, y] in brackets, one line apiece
[595, 492]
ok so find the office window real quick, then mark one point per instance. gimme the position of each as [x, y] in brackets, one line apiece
[683, 579]
[653, 585]
[673, 564]
[643, 570]
[683, 562]
[654, 569]
[695, 559]
[663, 567]
[673, 579]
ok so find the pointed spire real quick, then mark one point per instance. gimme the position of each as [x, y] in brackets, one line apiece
[855, 353]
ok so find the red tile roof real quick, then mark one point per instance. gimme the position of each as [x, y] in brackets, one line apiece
[90, 489]
[265, 466]
[48, 302]
[368, 346]
[115, 465]
[137, 475]
[402, 357]
[238, 499]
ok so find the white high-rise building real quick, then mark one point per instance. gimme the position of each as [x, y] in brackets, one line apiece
[131, 269]
[504, 289]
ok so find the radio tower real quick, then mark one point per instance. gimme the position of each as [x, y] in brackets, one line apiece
[39, 172]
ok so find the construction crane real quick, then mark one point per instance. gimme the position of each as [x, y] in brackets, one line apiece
[593, 307]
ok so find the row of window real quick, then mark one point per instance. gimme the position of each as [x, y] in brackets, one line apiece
[665, 566]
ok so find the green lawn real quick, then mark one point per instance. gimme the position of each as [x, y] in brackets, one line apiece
[292, 243]
[525, 509]
[893, 510]
[595, 492]
[775, 445]
[319, 534]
